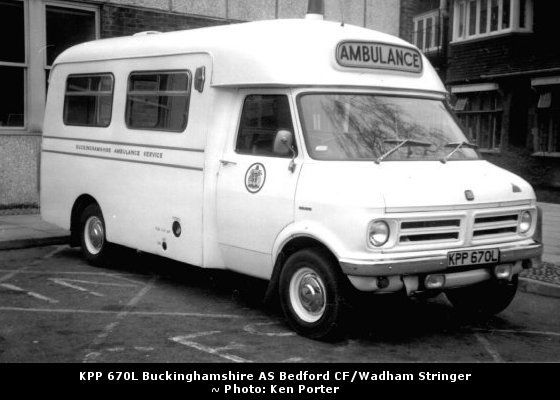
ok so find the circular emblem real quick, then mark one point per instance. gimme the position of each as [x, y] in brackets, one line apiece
[255, 177]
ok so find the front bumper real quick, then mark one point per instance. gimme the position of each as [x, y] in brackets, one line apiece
[433, 261]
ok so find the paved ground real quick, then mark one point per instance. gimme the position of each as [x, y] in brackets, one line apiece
[54, 307]
[28, 230]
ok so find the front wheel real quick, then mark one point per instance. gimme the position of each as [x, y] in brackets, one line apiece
[92, 235]
[313, 294]
[484, 299]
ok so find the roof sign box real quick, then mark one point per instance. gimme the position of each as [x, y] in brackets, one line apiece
[376, 55]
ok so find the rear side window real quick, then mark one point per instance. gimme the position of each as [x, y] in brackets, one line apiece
[158, 100]
[88, 100]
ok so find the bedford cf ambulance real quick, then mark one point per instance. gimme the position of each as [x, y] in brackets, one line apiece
[319, 156]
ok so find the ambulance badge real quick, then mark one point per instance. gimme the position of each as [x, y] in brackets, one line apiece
[255, 177]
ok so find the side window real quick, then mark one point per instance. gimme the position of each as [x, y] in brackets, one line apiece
[262, 117]
[88, 100]
[158, 100]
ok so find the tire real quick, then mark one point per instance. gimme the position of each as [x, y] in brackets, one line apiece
[313, 295]
[92, 235]
[484, 299]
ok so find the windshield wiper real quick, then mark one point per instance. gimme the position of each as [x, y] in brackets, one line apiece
[456, 146]
[400, 143]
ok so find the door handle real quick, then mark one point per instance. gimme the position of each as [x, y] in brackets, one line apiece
[226, 162]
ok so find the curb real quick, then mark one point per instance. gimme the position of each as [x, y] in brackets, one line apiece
[33, 242]
[528, 285]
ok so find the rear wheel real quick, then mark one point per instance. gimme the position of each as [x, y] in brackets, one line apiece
[313, 294]
[484, 299]
[92, 235]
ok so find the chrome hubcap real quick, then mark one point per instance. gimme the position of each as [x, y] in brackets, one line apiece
[311, 294]
[94, 236]
[307, 294]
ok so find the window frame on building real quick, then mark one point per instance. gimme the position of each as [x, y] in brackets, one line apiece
[24, 66]
[465, 97]
[35, 68]
[546, 112]
[463, 21]
[435, 37]
[59, 4]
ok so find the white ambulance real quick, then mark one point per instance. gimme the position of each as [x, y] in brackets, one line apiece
[319, 156]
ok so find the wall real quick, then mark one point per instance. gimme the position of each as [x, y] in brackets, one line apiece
[124, 21]
[19, 156]
[380, 15]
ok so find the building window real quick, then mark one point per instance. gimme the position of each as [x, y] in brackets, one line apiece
[427, 31]
[262, 117]
[88, 100]
[13, 66]
[481, 18]
[548, 120]
[158, 100]
[481, 116]
[66, 27]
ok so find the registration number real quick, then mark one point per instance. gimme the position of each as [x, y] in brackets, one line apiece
[473, 257]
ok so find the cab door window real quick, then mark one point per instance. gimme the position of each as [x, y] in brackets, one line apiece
[263, 116]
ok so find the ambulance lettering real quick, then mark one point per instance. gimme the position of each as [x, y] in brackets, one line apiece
[378, 56]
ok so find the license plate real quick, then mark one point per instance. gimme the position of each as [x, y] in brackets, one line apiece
[473, 257]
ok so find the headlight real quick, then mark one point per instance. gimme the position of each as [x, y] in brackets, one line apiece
[378, 233]
[525, 222]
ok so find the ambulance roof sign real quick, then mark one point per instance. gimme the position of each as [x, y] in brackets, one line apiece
[376, 55]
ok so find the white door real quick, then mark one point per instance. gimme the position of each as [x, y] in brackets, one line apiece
[257, 182]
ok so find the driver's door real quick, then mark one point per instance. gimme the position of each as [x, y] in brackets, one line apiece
[256, 188]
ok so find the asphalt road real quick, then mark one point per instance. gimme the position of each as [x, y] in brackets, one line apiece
[54, 307]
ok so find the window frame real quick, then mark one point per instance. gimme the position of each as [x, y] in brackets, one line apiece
[24, 66]
[547, 143]
[159, 93]
[514, 23]
[292, 117]
[495, 134]
[112, 98]
[419, 96]
[435, 34]
[81, 7]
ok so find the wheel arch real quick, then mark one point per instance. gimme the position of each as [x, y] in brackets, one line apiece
[79, 205]
[290, 246]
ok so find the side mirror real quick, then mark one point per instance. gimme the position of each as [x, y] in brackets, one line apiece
[284, 145]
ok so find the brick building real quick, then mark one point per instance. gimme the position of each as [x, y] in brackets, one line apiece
[503, 71]
[34, 32]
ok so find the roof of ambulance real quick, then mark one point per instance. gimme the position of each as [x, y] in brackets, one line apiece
[289, 52]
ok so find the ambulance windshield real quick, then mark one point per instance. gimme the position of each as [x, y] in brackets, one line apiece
[356, 127]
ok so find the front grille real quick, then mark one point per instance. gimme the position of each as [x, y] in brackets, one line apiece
[430, 224]
[491, 226]
[429, 231]
[427, 237]
[499, 218]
